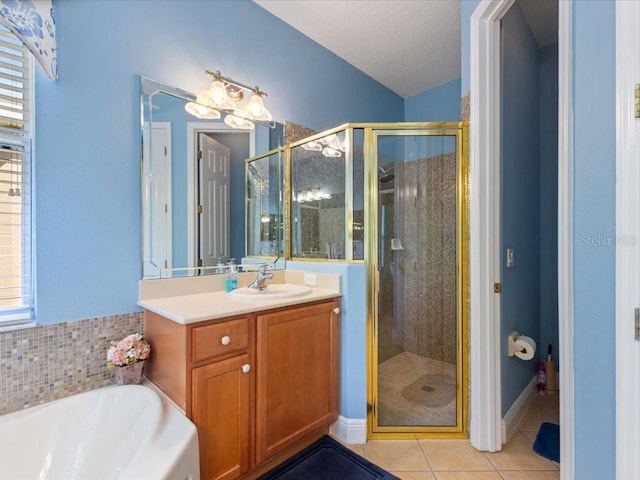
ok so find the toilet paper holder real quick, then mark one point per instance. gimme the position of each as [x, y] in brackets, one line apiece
[512, 346]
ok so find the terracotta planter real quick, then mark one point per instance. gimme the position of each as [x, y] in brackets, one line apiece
[130, 374]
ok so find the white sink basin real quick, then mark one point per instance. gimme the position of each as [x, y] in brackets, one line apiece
[272, 291]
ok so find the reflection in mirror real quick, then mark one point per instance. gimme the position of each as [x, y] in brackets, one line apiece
[318, 197]
[264, 205]
[193, 184]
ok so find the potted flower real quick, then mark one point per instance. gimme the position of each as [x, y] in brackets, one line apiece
[127, 358]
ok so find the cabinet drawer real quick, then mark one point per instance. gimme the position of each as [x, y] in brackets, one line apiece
[219, 339]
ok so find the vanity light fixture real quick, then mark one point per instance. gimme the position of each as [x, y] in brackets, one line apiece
[224, 96]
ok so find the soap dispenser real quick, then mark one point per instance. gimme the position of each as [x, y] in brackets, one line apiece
[232, 277]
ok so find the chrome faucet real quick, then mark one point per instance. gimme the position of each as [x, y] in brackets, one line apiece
[261, 278]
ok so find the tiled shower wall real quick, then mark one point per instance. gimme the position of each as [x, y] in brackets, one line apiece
[430, 258]
[48, 362]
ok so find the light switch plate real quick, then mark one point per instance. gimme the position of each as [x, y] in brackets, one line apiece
[310, 279]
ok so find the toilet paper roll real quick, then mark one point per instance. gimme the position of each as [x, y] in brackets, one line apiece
[526, 348]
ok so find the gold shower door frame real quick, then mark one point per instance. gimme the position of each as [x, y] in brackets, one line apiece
[371, 134]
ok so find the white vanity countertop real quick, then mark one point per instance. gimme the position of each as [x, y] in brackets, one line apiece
[185, 309]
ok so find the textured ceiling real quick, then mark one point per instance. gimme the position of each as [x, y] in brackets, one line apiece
[407, 45]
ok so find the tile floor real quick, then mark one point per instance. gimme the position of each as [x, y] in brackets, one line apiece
[458, 460]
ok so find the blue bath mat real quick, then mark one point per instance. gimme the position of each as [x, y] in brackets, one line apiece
[327, 460]
[547, 441]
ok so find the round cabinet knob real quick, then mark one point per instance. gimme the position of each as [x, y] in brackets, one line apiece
[226, 340]
[336, 310]
[246, 368]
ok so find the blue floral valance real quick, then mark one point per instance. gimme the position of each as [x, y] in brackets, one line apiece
[33, 22]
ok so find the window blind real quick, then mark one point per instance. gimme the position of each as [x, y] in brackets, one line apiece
[16, 85]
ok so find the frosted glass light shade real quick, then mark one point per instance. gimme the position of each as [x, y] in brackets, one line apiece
[218, 95]
[312, 146]
[331, 152]
[238, 122]
[200, 111]
[256, 110]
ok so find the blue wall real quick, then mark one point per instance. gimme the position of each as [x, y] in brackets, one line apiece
[438, 104]
[548, 63]
[594, 216]
[87, 126]
[520, 198]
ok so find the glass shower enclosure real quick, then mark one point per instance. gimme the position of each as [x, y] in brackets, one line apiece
[393, 197]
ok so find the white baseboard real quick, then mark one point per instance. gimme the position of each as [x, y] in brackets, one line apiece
[518, 409]
[350, 430]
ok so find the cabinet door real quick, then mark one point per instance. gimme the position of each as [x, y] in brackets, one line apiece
[221, 414]
[297, 375]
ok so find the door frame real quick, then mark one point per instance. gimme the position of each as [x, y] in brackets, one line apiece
[484, 153]
[627, 251]
[193, 130]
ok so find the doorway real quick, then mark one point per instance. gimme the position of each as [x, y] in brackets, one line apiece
[485, 228]
[213, 192]
[242, 146]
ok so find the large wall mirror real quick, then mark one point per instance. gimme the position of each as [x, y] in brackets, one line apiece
[196, 184]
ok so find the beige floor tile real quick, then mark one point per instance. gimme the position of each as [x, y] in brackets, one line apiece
[530, 475]
[530, 434]
[359, 449]
[538, 412]
[470, 475]
[454, 455]
[400, 455]
[355, 447]
[414, 475]
[517, 455]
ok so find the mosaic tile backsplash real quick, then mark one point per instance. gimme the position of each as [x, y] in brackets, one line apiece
[48, 362]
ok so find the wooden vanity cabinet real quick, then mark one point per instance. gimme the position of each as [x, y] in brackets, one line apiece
[256, 386]
[220, 410]
[297, 375]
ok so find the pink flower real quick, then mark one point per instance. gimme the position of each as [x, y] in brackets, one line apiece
[128, 351]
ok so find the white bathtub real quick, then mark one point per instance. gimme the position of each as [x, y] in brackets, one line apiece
[119, 432]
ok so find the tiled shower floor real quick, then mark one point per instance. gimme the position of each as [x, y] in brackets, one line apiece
[415, 390]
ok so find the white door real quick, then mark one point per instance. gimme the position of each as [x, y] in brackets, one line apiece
[627, 242]
[156, 174]
[213, 198]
